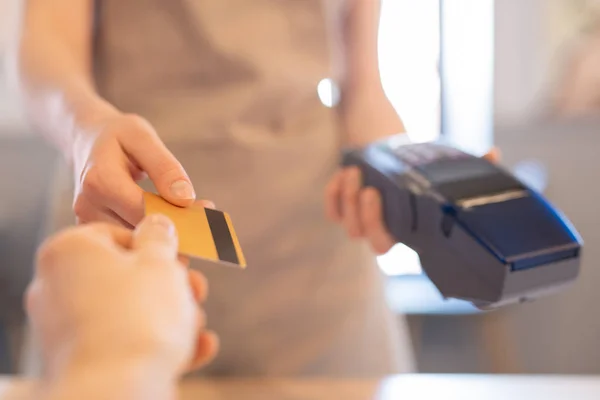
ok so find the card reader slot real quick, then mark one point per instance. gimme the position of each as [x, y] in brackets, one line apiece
[414, 215]
[480, 186]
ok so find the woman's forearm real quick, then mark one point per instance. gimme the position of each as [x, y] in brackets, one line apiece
[365, 111]
[368, 116]
[53, 70]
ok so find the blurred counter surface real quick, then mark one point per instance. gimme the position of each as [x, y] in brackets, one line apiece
[434, 387]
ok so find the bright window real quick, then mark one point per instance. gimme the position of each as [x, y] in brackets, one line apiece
[409, 50]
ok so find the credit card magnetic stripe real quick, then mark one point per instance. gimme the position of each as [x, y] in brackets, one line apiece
[221, 236]
[224, 237]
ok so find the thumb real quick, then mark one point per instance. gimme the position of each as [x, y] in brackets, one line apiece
[149, 152]
[493, 155]
[156, 235]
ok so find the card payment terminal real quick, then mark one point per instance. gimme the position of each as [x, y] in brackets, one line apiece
[481, 234]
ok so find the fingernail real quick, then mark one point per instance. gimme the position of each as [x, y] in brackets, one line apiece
[368, 197]
[163, 222]
[183, 190]
[208, 204]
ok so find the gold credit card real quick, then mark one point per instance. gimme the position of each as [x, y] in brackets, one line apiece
[203, 232]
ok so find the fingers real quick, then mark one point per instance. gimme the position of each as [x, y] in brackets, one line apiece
[207, 347]
[333, 194]
[207, 344]
[156, 235]
[184, 260]
[31, 299]
[87, 212]
[136, 172]
[149, 152]
[493, 155]
[137, 152]
[360, 210]
[59, 249]
[207, 204]
[372, 219]
[115, 235]
[114, 188]
[199, 285]
[350, 206]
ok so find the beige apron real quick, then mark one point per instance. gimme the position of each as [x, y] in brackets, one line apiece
[231, 86]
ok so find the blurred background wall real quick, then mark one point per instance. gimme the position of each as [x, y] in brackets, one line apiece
[528, 46]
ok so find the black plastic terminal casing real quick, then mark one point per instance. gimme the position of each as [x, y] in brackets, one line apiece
[482, 235]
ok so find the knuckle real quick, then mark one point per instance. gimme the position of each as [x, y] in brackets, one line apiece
[136, 120]
[46, 253]
[92, 182]
[53, 249]
[80, 208]
[169, 166]
[137, 124]
[59, 247]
